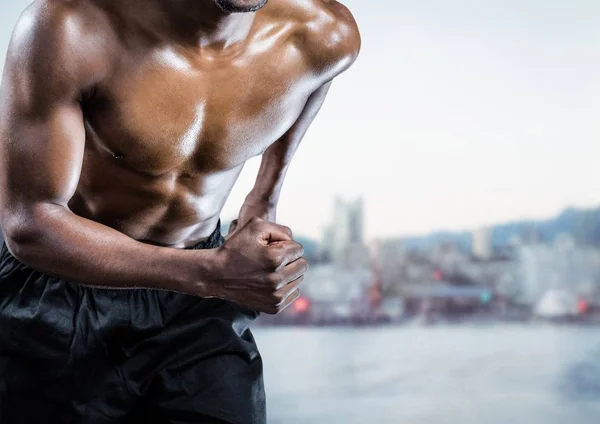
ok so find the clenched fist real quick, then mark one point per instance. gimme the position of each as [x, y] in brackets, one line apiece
[259, 267]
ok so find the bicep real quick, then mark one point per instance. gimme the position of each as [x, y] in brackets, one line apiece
[42, 134]
[43, 154]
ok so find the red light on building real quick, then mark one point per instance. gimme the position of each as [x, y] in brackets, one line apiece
[438, 275]
[301, 305]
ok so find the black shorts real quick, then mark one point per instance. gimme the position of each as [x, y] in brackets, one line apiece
[76, 354]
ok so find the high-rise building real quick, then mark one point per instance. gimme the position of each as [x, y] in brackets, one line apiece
[344, 239]
[482, 243]
[348, 221]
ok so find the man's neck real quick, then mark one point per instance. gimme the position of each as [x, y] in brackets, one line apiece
[196, 22]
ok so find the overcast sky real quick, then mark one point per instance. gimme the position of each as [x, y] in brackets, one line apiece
[457, 114]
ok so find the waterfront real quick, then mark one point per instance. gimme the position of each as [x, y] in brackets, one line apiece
[494, 374]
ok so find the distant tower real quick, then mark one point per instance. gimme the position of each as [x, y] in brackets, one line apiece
[356, 222]
[344, 239]
[348, 221]
[482, 243]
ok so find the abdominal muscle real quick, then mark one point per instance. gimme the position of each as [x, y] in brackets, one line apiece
[177, 209]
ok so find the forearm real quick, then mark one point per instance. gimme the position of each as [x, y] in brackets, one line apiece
[271, 174]
[55, 241]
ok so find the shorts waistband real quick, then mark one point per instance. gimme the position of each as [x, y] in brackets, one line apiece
[212, 242]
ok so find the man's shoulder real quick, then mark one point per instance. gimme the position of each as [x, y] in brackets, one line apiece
[326, 32]
[64, 32]
[68, 18]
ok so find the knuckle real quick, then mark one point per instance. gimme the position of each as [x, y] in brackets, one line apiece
[278, 299]
[255, 222]
[275, 259]
[303, 265]
[273, 280]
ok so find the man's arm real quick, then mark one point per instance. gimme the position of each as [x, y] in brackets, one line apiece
[331, 43]
[262, 200]
[42, 140]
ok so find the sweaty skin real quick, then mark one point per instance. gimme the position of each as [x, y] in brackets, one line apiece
[125, 124]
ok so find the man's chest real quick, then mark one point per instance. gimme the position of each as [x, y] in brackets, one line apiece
[167, 112]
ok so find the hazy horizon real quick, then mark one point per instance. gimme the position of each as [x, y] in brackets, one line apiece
[455, 116]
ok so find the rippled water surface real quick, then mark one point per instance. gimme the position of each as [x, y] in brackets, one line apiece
[430, 375]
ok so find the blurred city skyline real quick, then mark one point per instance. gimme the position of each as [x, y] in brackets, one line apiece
[454, 117]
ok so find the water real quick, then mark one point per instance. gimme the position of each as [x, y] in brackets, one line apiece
[432, 375]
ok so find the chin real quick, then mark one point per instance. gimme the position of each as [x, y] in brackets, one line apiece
[240, 6]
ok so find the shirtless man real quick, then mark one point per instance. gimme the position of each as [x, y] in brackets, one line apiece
[124, 125]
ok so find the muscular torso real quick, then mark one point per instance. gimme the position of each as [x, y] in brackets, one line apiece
[169, 129]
